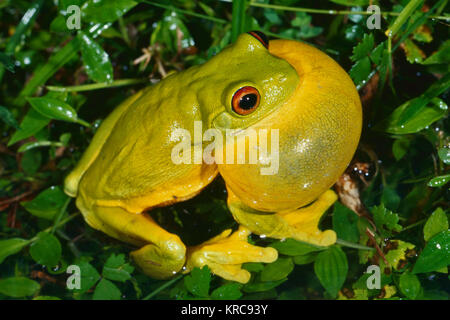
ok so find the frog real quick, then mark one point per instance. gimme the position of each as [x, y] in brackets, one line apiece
[127, 169]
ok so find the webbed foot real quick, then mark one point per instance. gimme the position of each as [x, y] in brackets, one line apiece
[225, 254]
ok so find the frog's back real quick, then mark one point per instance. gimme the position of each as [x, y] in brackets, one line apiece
[133, 166]
[72, 181]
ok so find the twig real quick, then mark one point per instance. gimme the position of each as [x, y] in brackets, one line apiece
[16, 198]
[332, 12]
[96, 86]
[164, 286]
[379, 251]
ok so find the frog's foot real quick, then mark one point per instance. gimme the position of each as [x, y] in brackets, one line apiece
[160, 261]
[300, 224]
[225, 254]
[305, 221]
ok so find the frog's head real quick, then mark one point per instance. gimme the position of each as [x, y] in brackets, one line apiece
[316, 126]
[243, 83]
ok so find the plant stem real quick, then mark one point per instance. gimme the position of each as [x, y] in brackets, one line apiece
[418, 223]
[331, 12]
[353, 245]
[96, 86]
[238, 18]
[189, 13]
[57, 225]
[60, 214]
[164, 286]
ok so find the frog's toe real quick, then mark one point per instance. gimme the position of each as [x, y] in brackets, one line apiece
[317, 237]
[231, 272]
[226, 253]
[305, 221]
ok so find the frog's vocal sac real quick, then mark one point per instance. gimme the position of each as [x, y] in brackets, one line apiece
[251, 84]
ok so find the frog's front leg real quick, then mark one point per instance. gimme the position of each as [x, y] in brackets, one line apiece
[161, 254]
[225, 254]
[299, 224]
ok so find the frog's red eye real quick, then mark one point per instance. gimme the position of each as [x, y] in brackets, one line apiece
[245, 100]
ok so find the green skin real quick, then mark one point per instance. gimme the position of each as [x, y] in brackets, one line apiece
[127, 169]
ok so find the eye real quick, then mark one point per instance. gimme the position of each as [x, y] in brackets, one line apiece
[245, 100]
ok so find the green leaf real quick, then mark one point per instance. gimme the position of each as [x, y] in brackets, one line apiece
[7, 117]
[444, 155]
[46, 250]
[377, 54]
[166, 33]
[305, 259]
[423, 34]
[253, 266]
[363, 48]
[31, 124]
[433, 111]
[439, 181]
[7, 62]
[409, 285]
[395, 256]
[31, 161]
[404, 15]
[117, 269]
[291, 247]
[390, 197]
[95, 59]
[11, 246]
[47, 204]
[436, 223]
[37, 144]
[55, 109]
[197, 282]
[413, 53]
[89, 276]
[435, 255]
[46, 298]
[261, 286]
[399, 148]
[385, 220]
[44, 72]
[229, 291]
[419, 104]
[360, 71]
[18, 287]
[302, 27]
[440, 56]
[26, 22]
[106, 290]
[331, 269]
[102, 11]
[277, 270]
[345, 223]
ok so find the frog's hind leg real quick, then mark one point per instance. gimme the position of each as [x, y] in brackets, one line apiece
[162, 254]
[299, 224]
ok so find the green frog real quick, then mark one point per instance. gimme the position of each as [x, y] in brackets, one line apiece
[253, 84]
